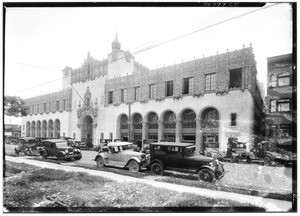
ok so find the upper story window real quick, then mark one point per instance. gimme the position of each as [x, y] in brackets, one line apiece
[123, 95]
[187, 85]
[38, 108]
[210, 82]
[169, 88]
[57, 105]
[273, 80]
[152, 91]
[64, 104]
[280, 80]
[284, 79]
[32, 108]
[137, 93]
[45, 107]
[233, 119]
[282, 105]
[235, 78]
[110, 97]
[50, 106]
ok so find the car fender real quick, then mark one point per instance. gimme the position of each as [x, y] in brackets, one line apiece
[156, 161]
[133, 158]
[104, 156]
[41, 150]
[205, 167]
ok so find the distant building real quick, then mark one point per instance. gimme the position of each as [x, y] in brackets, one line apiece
[206, 100]
[13, 130]
[281, 101]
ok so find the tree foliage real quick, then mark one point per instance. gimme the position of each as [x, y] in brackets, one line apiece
[15, 106]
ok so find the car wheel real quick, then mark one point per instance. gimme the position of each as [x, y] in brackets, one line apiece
[60, 157]
[100, 162]
[206, 175]
[78, 157]
[133, 166]
[44, 155]
[267, 161]
[157, 169]
[249, 161]
[232, 159]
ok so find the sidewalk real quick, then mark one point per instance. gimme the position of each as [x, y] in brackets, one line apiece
[269, 204]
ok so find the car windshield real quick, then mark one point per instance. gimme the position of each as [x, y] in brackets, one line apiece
[61, 145]
[189, 151]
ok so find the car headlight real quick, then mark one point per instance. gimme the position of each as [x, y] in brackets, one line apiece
[211, 164]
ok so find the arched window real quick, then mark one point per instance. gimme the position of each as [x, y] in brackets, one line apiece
[124, 122]
[188, 119]
[210, 118]
[137, 121]
[169, 120]
[152, 121]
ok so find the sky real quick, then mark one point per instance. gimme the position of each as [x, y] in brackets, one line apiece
[41, 42]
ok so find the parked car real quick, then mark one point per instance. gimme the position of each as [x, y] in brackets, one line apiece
[70, 141]
[121, 154]
[26, 145]
[58, 148]
[85, 144]
[102, 146]
[180, 157]
[281, 156]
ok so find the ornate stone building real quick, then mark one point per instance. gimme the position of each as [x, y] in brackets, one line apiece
[206, 100]
[281, 96]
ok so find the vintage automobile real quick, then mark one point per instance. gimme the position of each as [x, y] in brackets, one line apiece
[279, 155]
[181, 157]
[27, 145]
[121, 154]
[58, 148]
[237, 151]
[70, 141]
[85, 144]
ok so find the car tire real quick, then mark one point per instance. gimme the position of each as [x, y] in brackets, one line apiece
[60, 157]
[133, 166]
[249, 161]
[206, 175]
[267, 161]
[100, 162]
[44, 155]
[78, 157]
[157, 169]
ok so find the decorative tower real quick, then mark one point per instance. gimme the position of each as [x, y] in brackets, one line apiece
[67, 72]
[120, 62]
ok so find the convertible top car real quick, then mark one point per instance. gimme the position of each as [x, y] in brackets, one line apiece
[121, 154]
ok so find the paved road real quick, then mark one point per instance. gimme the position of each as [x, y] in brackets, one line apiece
[268, 204]
[249, 176]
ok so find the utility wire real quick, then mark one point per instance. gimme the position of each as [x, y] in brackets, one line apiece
[165, 42]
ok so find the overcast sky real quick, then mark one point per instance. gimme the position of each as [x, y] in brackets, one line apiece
[40, 42]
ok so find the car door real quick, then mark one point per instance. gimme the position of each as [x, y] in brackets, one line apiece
[113, 156]
[174, 157]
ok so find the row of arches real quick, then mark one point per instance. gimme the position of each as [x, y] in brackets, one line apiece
[43, 128]
[170, 126]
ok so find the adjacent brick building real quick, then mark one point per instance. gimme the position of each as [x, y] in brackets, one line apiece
[206, 100]
[281, 101]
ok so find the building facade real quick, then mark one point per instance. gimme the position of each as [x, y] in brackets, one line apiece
[281, 101]
[12, 130]
[206, 100]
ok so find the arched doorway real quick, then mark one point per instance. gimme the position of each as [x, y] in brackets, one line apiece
[188, 125]
[87, 128]
[57, 128]
[210, 128]
[50, 128]
[28, 129]
[152, 122]
[33, 128]
[44, 128]
[169, 124]
[124, 124]
[38, 128]
[137, 126]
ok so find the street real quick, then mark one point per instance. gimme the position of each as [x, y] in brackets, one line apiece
[269, 179]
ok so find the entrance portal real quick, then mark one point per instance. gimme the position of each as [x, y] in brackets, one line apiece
[87, 128]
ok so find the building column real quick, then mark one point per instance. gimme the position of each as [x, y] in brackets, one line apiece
[178, 131]
[144, 130]
[199, 142]
[160, 130]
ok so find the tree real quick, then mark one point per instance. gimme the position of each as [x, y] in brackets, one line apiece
[15, 106]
